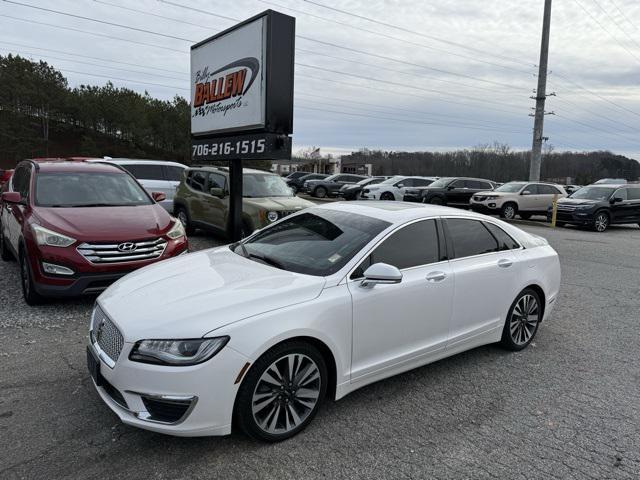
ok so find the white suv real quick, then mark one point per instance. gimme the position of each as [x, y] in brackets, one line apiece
[155, 176]
[394, 188]
[518, 198]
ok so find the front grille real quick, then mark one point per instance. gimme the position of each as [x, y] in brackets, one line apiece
[169, 411]
[285, 213]
[123, 252]
[106, 334]
[566, 208]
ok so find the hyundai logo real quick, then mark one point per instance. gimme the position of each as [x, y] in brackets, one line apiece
[127, 247]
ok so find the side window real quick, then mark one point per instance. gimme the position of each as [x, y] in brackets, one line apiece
[547, 190]
[486, 186]
[505, 242]
[633, 193]
[215, 181]
[457, 184]
[470, 237]
[621, 193]
[532, 189]
[145, 172]
[411, 246]
[421, 182]
[196, 180]
[407, 182]
[173, 174]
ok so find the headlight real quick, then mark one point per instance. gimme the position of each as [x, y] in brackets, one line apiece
[584, 207]
[491, 197]
[176, 231]
[48, 237]
[177, 352]
[272, 216]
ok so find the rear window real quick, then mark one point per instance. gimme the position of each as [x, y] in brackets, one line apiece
[174, 174]
[145, 172]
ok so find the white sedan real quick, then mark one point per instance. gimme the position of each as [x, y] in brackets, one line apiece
[256, 334]
[394, 188]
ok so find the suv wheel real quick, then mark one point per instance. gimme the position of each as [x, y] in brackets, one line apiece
[320, 192]
[522, 321]
[282, 392]
[5, 254]
[28, 290]
[436, 201]
[183, 216]
[509, 211]
[387, 196]
[601, 221]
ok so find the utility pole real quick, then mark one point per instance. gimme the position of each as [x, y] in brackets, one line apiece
[541, 96]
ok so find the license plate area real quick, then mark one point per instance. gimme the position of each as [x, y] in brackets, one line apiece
[93, 365]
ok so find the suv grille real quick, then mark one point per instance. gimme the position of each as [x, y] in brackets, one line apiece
[106, 334]
[285, 213]
[122, 252]
[566, 208]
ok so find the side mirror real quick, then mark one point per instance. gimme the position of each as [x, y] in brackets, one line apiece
[11, 197]
[217, 192]
[616, 200]
[450, 187]
[381, 273]
[400, 185]
[158, 196]
[526, 192]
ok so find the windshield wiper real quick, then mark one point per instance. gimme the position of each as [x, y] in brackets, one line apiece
[267, 260]
[99, 205]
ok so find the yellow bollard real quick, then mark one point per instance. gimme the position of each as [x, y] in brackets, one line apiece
[554, 210]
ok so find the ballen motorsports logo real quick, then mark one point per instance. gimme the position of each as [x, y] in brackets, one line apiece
[211, 90]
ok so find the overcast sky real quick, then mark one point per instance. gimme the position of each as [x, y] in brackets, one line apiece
[458, 73]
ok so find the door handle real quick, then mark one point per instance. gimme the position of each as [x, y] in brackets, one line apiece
[434, 277]
[505, 263]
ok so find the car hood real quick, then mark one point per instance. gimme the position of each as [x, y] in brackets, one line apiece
[497, 194]
[191, 295]
[106, 224]
[577, 201]
[279, 203]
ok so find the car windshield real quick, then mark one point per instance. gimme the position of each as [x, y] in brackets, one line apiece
[264, 185]
[593, 193]
[88, 189]
[317, 242]
[369, 181]
[511, 187]
[442, 182]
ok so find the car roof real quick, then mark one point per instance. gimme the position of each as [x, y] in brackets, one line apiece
[77, 167]
[142, 161]
[612, 185]
[396, 212]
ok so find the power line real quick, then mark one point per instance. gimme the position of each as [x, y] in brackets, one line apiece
[174, 87]
[104, 22]
[90, 63]
[421, 34]
[144, 12]
[597, 114]
[28, 20]
[607, 31]
[624, 15]
[384, 35]
[200, 11]
[616, 23]
[92, 58]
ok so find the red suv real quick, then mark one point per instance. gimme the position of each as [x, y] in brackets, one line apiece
[76, 227]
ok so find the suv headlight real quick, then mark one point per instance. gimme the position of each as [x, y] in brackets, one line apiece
[44, 236]
[176, 231]
[272, 216]
[177, 352]
[491, 197]
[586, 206]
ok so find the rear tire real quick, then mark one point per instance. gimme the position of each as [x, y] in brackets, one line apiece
[523, 319]
[183, 217]
[387, 196]
[282, 392]
[320, 192]
[5, 254]
[600, 222]
[509, 211]
[28, 290]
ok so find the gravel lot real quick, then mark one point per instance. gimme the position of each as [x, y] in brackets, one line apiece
[567, 407]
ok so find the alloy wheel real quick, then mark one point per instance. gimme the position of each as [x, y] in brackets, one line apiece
[509, 212]
[524, 319]
[286, 393]
[601, 222]
[182, 216]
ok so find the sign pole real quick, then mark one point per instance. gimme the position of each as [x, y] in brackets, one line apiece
[234, 220]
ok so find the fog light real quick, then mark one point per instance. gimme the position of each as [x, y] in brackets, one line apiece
[56, 269]
[492, 205]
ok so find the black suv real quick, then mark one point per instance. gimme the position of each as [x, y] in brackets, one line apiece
[330, 186]
[598, 206]
[454, 191]
[352, 191]
[295, 182]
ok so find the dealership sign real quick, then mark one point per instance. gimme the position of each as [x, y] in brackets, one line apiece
[241, 84]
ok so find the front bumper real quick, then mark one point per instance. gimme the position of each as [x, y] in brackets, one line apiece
[486, 207]
[204, 394]
[412, 198]
[575, 217]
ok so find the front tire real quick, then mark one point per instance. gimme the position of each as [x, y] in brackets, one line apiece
[387, 196]
[5, 254]
[600, 222]
[28, 289]
[183, 217]
[282, 392]
[436, 201]
[523, 320]
[509, 211]
[320, 192]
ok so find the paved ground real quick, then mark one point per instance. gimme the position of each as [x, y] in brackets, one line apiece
[567, 407]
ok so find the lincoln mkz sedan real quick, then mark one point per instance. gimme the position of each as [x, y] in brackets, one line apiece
[256, 334]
